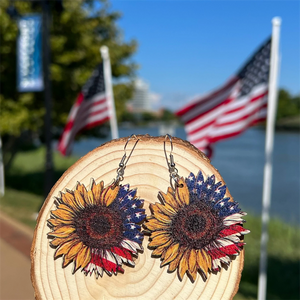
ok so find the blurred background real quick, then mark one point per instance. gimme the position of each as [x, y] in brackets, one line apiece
[163, 54]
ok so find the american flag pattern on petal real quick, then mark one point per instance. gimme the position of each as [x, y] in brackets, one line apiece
[197, 228]
[97, 229]
[228, 240]
[229, 110]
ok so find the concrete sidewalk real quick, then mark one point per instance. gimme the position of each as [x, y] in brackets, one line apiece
[15, 243]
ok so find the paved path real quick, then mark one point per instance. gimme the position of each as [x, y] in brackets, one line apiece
[15, 243]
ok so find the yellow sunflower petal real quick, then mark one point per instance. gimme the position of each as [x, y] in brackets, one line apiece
[90, 198]
[193, 274]
[163, 254]
[65, 247]
[62, 232]
[83, 258]
[59, 222]
[159, 232]
[160, 216]
[79, 199]
[171, 254]
[208, 258]
[66, 207]
[66, 260]
[174, 264]
[182, 193]
[97, 189]
[166, 209]
[82, 189]
[59, 241]
[75, 249]
[183, 264]
[160, 249]
[154, 224]
[192, 262]
[169, 198]
[159, 240]
[163, 218]
[72, 253]
[102, 195]
[62, 214]
[203, 261]
[110, 194]
[154, 208]
[68, 199]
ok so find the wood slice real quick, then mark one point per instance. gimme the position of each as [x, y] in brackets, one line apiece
[148, 172]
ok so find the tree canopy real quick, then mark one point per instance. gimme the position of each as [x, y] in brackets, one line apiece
[77, 33]
[288, 105]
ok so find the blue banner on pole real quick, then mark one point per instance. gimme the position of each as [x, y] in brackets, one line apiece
[29, 54]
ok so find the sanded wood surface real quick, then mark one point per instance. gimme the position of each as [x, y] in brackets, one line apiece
[148, 172]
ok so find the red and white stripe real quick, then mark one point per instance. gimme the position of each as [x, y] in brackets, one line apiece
[228, 242]
[85, 114]
[224, 114]
[111, 260]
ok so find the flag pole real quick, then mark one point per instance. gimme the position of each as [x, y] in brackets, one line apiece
[109, 92]
[272, 106]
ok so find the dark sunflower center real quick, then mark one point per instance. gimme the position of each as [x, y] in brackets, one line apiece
[100, 227]
[196, 225]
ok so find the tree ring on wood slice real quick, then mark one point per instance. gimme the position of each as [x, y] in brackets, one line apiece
[146, 171]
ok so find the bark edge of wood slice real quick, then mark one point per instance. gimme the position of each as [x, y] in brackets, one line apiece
[148, 172]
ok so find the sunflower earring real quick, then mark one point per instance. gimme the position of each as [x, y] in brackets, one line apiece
[98, 229]
[195, 228]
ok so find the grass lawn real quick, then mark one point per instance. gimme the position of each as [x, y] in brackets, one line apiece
[24, 196]
[20, 205]
[283, 260]
[27, 171]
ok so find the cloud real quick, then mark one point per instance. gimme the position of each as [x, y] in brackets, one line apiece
[155, 98]
[174, 100]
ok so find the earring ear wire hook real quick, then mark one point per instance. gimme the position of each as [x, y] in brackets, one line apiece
[171, 163]
[124, 161]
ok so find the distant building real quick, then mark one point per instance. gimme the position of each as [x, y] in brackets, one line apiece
[141, 100]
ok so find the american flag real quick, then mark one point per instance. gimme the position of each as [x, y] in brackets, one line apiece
[228, 111]
[90, 109]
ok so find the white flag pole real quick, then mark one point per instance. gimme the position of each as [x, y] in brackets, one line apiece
[109, 92]
[272, 106]
[1, 171]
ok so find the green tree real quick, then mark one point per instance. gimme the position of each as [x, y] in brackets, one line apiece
[288, 106]
[296, 99]
[168, 116]
[77, 33]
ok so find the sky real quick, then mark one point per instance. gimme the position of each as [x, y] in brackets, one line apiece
[188, 48]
